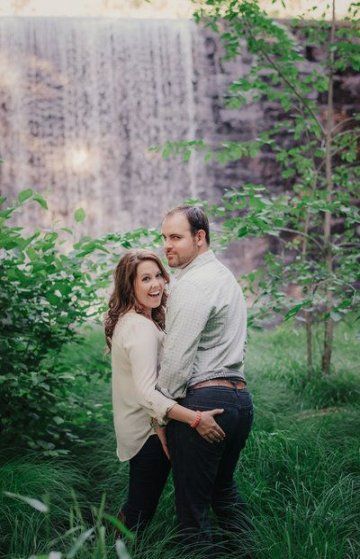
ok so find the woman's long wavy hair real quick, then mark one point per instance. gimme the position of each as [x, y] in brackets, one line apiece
[123, 297]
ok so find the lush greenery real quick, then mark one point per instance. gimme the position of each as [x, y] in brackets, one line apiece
[298, 471]
[315, 144]
[48, 295]
[52, 286]
[61, 484]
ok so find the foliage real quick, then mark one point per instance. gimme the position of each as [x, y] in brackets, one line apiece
[73, 531]
[48, 293]
[298, 471]
[311, 267]
[47, 296]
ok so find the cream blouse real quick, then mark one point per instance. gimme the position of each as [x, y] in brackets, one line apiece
[135, 356]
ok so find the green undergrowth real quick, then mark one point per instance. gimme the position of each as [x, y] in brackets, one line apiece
[299, 471]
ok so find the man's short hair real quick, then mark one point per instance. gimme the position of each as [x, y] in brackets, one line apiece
[196, 217]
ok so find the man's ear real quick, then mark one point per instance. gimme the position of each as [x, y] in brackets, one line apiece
[200, 238]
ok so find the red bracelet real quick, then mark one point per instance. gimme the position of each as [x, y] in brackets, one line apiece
[197, 420]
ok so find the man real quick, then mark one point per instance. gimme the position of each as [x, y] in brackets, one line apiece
[203, 368]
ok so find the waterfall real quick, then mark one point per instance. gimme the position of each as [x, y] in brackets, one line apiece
[81, 101]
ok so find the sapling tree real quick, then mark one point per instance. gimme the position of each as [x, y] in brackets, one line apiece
[311, 273]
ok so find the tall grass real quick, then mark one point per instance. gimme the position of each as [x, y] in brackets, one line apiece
[299, 471]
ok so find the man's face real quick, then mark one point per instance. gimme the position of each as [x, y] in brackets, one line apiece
[179, 244]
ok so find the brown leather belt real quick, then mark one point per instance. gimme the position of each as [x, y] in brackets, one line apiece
[240, 385]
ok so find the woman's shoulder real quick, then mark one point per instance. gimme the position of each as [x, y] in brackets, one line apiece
[134, 330]
[132, 322]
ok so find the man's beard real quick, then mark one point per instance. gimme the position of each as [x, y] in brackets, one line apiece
[182, 262]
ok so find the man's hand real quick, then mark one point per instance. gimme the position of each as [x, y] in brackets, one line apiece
[161, 433]
[208, 428]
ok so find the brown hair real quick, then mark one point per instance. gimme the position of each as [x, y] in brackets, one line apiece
[123, 299]
[196, 217]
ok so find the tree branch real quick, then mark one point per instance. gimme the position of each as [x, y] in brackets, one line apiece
[341, 123]
[290, 85]
[301, 233]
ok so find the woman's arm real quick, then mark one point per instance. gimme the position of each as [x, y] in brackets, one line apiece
[142, 347]
[207, 426]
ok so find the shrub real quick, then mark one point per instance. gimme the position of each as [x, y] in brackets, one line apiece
[47, 294]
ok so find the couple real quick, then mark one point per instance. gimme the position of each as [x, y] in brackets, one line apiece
[174, 372]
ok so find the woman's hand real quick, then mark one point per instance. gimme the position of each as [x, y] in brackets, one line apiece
[208, 428]
[161, 433]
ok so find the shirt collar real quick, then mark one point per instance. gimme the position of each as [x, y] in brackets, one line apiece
[199, 261]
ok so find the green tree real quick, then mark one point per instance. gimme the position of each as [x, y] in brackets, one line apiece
[314, 220]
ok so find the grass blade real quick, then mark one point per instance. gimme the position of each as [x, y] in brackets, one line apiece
[34, 503]
[120, 526]
[79, 543]
[121, 550]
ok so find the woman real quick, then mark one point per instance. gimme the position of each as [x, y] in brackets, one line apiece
[134, 329]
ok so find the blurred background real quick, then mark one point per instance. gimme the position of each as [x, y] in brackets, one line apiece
[87, 86]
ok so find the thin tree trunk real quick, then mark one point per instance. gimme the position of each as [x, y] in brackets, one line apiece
[309, 345]
[329, 324]
[307, 315]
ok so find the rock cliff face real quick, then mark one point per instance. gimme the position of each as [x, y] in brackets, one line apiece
[81, 100]
[245, 124]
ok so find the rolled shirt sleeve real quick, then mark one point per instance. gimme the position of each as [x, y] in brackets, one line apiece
[141, 345]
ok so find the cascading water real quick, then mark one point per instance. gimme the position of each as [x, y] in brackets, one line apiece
[81, 101]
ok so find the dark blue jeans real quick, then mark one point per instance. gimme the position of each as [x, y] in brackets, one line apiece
[149, 470]
[204, 472]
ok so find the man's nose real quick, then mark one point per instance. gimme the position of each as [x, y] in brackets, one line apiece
[167, 244]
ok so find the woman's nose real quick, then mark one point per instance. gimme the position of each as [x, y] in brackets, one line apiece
[156, 282]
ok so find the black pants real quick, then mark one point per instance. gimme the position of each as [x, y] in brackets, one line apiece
[149, 470]
[203, 472]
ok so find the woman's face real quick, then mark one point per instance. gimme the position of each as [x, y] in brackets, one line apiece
[149, 285]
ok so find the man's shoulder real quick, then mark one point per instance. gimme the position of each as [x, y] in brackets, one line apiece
[208, 272]
[203, 279]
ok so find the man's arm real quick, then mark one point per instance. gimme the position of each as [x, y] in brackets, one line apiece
[188, 312]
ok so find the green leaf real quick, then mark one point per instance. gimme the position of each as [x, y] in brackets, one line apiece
[25, 195]
[79, 215]
[345, 304]
[293, 311]
[40, 200]
[32, 254]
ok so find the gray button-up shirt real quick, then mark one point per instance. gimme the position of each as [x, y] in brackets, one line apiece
[205, 327]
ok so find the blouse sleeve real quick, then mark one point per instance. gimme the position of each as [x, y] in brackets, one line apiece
[141, 344]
